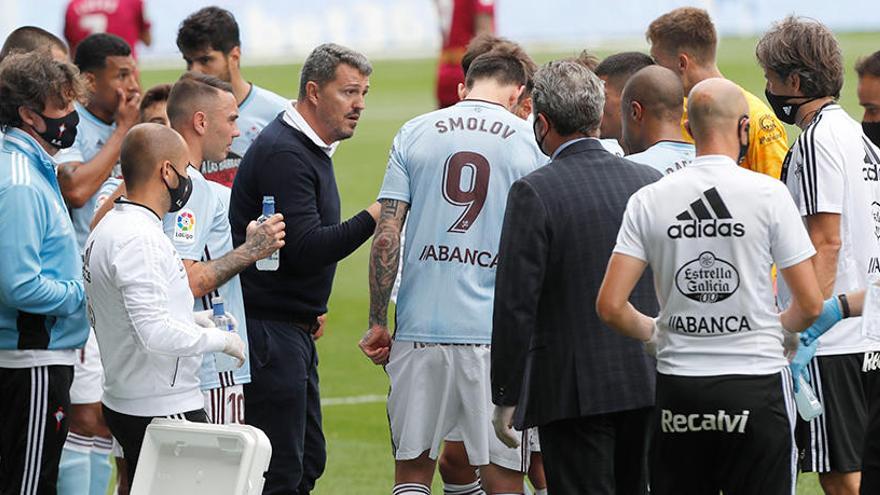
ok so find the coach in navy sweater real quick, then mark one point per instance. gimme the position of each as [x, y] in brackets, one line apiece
[290, 160]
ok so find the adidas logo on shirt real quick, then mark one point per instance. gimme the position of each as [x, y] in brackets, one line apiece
[706, 216]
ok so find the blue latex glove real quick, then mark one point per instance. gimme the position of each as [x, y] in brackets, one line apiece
[798, 365]
[830, 315]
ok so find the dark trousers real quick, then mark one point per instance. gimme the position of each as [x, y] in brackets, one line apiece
[33, 426]
[283, 400]
[130, 431]
[597, 455]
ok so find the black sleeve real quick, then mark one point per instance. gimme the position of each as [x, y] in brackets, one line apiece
[522, 261]
[308, 243]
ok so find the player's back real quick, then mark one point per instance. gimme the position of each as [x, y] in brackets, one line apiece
[710, 232]
[455, 167]
[666, 156]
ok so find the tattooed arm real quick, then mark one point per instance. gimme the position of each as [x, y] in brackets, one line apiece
[261, 240]
[384, 261]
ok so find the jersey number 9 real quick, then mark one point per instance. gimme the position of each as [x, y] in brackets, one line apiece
[466, 183]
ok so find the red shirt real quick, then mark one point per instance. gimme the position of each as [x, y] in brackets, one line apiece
[124, 18]
[457, 20]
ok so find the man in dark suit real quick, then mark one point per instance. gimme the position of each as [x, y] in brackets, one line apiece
[588, 389]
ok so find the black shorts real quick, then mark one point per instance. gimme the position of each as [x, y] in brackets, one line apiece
[34, 403]
[730, 433]
[130, 432]
[871, 449]
[833, 441]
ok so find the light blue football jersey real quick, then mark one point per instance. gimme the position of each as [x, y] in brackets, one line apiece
[666, 156]
[455, 167]
[91, 135]
[200, 231]
[259, 107]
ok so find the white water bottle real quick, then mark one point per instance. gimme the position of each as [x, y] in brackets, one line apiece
[808, 404]
[269, 263]
[222, 361]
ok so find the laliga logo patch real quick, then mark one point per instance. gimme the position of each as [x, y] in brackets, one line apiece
[707, 279]
[185, 227]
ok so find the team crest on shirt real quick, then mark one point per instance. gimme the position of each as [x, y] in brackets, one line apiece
[875, 214]
[185, 226]
[707, 279]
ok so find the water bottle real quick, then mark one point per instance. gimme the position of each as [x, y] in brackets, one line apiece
[222, 361]
[269, 263]
[808, 404]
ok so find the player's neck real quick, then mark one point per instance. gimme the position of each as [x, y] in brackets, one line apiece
[153, 198]
[808, 111]
[492, 93]
[663, 131]
[104, 116]
[240, 88]
[51, 150]
[700, 73]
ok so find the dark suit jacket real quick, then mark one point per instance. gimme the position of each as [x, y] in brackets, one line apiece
[551, 354]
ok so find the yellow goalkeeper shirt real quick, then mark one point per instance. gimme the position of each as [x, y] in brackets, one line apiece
[768, 142]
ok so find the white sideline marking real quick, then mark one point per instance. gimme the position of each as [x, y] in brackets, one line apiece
[356, 399]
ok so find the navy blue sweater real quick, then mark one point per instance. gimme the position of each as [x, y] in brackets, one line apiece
[283, 162]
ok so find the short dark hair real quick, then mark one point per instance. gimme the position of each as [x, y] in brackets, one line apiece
[190, 87]
[685, 29]
[156, 94]
[32, 80]
[208, 28]
[869, 66]
[505, 68]
[806, 47]
[621, 66]
[92, 52]
[320, 66]
[486, 43]
[28, 39]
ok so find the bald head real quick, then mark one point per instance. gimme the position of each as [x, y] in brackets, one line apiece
[658, 90]
[715, 109]
[651, 106]
[145, 149]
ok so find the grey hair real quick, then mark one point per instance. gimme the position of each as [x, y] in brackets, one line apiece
[320, 66]
[570, 96]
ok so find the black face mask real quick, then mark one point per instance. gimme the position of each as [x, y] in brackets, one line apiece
[743, 147]
[872, 130]
[539, 140]
[786, 112]
[179, 195]
[60, 132]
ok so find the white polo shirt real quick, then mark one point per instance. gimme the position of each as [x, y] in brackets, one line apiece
[140, 305]
[711, 232]
[834, 168]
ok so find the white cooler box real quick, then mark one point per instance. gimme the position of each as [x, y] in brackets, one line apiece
[180, 457]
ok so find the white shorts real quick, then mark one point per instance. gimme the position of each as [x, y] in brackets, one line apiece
[443, 392]
[88, 374]
[225, 405]
[534, 441]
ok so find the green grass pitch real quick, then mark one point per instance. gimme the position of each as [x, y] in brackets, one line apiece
[358, 445]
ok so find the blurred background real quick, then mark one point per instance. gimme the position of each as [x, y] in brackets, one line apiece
[286, 30]
[403, 38]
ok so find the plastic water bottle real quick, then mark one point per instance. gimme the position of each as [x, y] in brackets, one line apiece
[808, 404]
[222, 361]
[269, 263]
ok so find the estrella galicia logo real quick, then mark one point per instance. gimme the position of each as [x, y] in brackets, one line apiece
[706, 216]
[707, 279]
